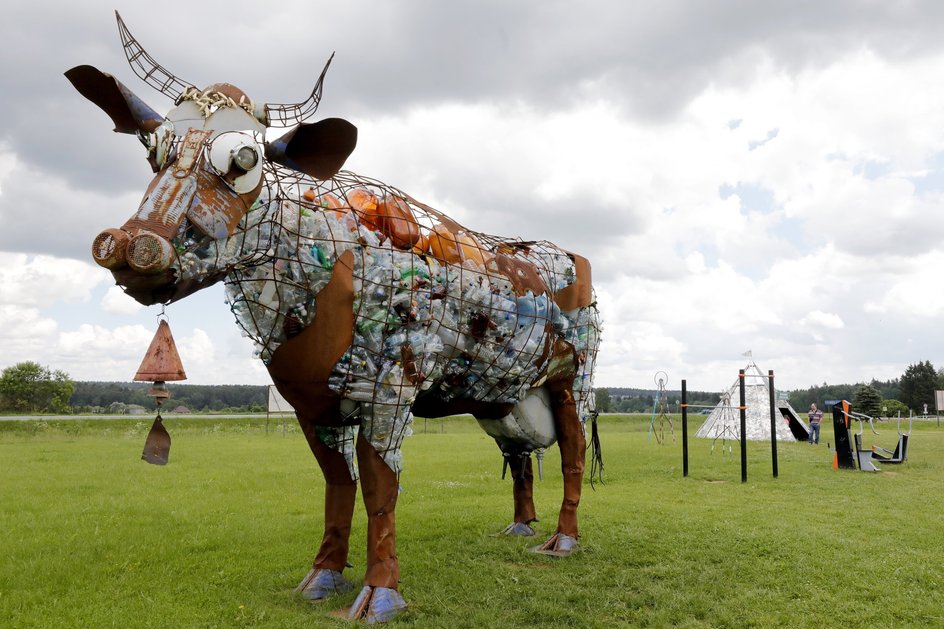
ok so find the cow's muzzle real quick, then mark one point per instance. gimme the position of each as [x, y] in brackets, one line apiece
[144, 252]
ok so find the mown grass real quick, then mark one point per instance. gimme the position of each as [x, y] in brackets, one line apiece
[94, 537]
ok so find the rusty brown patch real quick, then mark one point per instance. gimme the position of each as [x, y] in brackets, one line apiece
[521, 274]
[580, 293]
[300, 366]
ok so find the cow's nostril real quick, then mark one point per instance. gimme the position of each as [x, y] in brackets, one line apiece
[149, 253]
[109, 248]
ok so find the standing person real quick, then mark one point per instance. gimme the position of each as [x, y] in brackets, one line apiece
[816, 416]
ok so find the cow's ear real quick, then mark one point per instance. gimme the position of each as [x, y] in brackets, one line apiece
[317, 149]
[129, 113]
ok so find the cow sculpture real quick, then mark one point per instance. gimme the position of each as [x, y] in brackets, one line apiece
[365, 305]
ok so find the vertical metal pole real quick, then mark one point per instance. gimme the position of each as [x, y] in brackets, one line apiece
[743, 429]
[684, 429]
[773, 422]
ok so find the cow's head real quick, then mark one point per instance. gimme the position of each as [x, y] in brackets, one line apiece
[210, 156]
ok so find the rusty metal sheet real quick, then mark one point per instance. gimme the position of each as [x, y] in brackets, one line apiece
[165, 205]
[157, 445]
[190, 151]
[216, 209]
[521, 274]
[580, 293]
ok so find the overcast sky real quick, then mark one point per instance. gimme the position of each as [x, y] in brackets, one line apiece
[743, 175]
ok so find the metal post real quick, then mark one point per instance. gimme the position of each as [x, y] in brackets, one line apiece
[743, 429]
[773, 423]
[684, 429]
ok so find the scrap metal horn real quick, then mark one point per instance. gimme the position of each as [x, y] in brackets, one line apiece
[158, 77]
[287, 115]
[148, 70]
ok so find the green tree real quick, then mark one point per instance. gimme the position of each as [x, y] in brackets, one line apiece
[867, 400]
[893, 407]
[917, 386]
[602, 399]
[29, 387]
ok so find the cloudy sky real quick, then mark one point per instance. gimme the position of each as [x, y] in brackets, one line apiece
[743, 175]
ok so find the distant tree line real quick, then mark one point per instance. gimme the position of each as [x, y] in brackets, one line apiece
[877, 398]
[29, 387]
[99, 396]
[629, 400]
[911, 392]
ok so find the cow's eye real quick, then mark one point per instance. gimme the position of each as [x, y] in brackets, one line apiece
[233, 151]
[245, 158]
[236, 158]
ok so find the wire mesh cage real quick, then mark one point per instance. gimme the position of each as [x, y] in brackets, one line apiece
[438, 309]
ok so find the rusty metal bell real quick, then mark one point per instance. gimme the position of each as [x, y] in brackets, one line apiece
[161, 363]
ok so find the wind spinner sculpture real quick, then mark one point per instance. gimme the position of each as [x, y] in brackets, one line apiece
[365, 305]
[662, 404]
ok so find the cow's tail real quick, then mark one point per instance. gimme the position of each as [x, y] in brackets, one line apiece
[596, 452]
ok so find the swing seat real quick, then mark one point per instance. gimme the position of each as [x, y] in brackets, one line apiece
[864, 456]
[900, 455]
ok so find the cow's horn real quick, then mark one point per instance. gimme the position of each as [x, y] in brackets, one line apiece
[288, 115]
[146, 68]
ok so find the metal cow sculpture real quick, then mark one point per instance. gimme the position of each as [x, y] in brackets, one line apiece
[365, 305]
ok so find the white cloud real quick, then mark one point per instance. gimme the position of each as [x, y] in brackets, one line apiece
[224, 358]
[820, 319]
[117, 302]
[44, 280]
[43, 212]
[817, 322]
[916, 291]
[21, 329]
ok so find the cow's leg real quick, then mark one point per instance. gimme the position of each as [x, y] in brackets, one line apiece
[379, 600]
[523, 491]
[325, 578]
[572, 443]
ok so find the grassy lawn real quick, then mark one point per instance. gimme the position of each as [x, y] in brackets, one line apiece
[94, 537]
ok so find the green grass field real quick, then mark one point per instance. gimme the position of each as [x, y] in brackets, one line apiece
[94, 537]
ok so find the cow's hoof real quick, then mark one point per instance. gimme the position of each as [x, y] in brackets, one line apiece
[376, 604]
[560, 545]
[519, 529]
[321, 583]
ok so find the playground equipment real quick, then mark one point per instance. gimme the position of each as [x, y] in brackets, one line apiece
[757, 390]
[900, 455]
[725, 430]
[775, 415]
[845, 457]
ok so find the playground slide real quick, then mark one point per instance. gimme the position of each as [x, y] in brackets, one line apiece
[797, 427]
